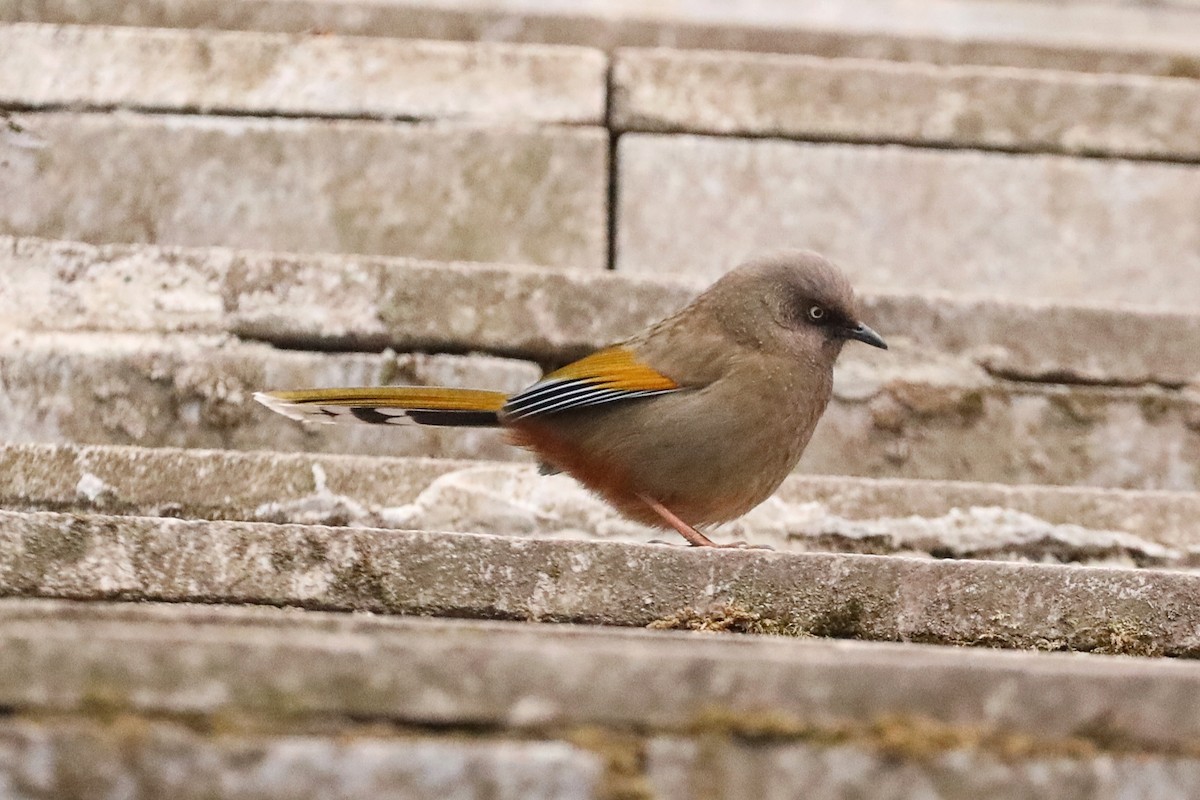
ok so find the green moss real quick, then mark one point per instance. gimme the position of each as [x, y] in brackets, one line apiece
[1127, 638]
[904, 737]
[624, 762]
[726, 618]
[103, 702]
[1154, 407]
[362, 585]
[846, 621]
[1079, 407]
[1183, 67]
[53, 547]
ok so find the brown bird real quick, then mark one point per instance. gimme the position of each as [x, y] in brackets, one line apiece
[690, 423]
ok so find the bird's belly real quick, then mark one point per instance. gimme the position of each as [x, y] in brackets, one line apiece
[706, 467]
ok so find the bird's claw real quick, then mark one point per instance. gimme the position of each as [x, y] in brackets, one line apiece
[744, 546]
[726, 546]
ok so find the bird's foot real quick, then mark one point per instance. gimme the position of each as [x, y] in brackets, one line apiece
[741, 546]
[694, 537]
[711, 543]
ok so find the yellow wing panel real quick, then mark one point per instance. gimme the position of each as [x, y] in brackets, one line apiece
[614, 368]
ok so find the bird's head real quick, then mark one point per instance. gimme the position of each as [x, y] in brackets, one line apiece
[797, 300]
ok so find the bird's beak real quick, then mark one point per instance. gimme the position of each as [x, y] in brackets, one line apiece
[864, 334]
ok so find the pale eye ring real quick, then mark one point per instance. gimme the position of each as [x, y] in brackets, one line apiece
[816, 313]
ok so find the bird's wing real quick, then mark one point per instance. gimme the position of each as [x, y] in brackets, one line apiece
[389, 405]
[608, 376]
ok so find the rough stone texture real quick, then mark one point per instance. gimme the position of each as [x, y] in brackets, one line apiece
[895, 414]
[435, 190]
[987, 603]
[902, 413]
[681, 769]
[1014, 226]
[136, 758]
[208, 484]
[1048, 342]
[1089, 39]
[290, 664]
[960, 520]
[804, 97]
[550, 315]
[269, 74]
[196, 392]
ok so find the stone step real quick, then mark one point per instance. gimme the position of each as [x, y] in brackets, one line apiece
[661, 713]
[800, 97]
[896, 414]
[549, 315]
[868, 101]
[1092, 38]
[195, 391]
[808, 513]
[1004, 225]
[443, 189]
[1144, 612]
[244, 73]
[524, 193]
[158, 759]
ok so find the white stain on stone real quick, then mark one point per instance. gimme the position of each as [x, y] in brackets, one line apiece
[90, 486]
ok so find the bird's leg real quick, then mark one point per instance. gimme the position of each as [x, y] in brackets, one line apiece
[694, 537]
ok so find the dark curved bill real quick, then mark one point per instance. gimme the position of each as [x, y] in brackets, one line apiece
[865, 335]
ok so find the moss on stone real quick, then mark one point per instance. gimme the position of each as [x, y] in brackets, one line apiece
[624, 762]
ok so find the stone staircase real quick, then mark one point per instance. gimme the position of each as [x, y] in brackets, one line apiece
[984, 577]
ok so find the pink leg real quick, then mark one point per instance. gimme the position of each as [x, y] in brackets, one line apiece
[694, 537]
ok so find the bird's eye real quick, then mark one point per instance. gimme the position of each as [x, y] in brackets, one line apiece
[816, 313]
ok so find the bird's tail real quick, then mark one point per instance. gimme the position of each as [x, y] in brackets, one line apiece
[389, 405]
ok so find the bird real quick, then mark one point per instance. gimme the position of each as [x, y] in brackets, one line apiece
[686, 425]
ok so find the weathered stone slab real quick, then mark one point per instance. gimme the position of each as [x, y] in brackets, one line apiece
[545, 314]
[275, 74]
[904, 765]
[901, 413]
[896, 414]
[207, 484]
[1091, 38]
[287, 664]
[1048, 342]
[437, 190]
[806, 97]
[1012, 226]
[989, 603]
[949, 519]
[187, 391]
[140, 758]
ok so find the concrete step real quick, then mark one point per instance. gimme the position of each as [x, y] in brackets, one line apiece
[443, 190]
[979, 410]
[911, 418]
[1093, 38]
[263, 74]
[798, 97]
[548, 315]
[161, 759]
[946, 519]
[525, 191]
[217, 697]
[1003, 225]
[479, 166]
[871, 101]
[882, 598]
[195, 391]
